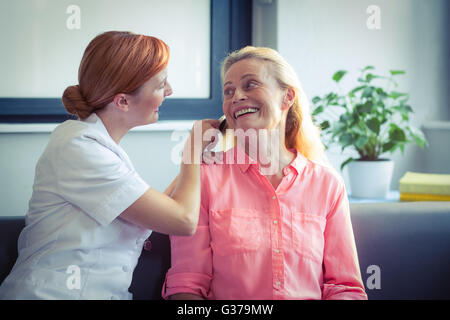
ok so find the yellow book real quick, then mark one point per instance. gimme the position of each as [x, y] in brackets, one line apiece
[425, 183]
[423, 197]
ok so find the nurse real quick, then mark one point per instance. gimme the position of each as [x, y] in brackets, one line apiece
[90, 211]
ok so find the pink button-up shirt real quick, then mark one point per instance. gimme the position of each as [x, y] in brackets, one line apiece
[255, 242]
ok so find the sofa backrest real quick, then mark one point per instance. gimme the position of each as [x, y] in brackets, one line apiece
[403, 250]
[10, 228]
[408, 245]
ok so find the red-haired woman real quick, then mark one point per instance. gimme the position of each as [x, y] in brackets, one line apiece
[274, 224]
[90, 211]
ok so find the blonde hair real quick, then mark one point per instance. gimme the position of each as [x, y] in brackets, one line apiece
[301, 133]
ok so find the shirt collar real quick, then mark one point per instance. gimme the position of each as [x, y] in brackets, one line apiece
[95, 121]
[299, 162]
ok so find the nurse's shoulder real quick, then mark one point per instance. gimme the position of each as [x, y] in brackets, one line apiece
[80, 132]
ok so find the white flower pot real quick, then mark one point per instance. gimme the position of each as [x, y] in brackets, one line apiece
[370, 179]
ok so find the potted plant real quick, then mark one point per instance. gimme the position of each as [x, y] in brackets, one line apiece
[372, 120]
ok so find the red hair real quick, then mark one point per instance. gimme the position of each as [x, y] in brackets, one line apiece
[114, 62]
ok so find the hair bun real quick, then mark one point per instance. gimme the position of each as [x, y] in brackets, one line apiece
[75, 103]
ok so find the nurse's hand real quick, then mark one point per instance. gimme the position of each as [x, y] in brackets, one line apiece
[209, 129]
[204, 133]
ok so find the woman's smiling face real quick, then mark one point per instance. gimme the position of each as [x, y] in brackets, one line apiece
[252, 97]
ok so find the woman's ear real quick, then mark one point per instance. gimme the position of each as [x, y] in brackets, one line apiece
[121, 102]
[289, 98]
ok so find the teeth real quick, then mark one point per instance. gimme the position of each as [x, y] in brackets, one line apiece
[243, 111]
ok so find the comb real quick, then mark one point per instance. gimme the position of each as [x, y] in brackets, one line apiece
[223, 124]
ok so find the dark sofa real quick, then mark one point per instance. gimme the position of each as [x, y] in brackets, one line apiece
[403, 249]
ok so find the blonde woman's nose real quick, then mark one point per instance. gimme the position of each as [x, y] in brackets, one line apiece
[239, 95]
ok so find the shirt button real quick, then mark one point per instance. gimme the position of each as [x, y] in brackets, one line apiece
[147, 245]
[274, 197]
[277, 251]
[125, 269]
[275, 222]
[278, 283]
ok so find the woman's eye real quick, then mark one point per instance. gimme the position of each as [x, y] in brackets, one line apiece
[251, 84]
[227, 92]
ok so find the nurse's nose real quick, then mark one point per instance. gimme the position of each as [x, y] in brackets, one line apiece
[168, 90]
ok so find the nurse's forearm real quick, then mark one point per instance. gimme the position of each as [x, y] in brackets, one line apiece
[187, 190]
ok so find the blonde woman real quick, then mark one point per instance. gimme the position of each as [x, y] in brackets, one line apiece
[283, 233]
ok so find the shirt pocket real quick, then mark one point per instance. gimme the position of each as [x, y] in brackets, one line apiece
[308, 235]
[237, 231]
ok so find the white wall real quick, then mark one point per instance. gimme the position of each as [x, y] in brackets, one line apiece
[45, 41]
[319, 37]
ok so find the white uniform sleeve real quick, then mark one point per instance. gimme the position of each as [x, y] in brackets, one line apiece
[95, 179]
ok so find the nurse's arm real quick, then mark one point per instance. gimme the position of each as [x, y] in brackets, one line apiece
[177, 214]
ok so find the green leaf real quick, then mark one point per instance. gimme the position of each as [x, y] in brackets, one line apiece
[332, 99]
[381, 92]
[361, 142]
[316, 99]
[368, 68]
[345, 140]
[346, 162]
[408, 108]
[374, 125]
[418, 136]
[367, 92]
[346, 118]
[337, 128]
[395, 72]
[370, 77]
[325, 125]
[395, 95]
[397, 135]
[388, 146]
[338, 75]
[358, 89]
[317, 110]
[367, 107]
